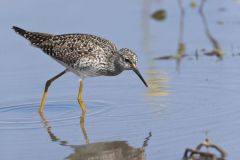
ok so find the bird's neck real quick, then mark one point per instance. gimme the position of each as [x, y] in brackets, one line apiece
[117, 66]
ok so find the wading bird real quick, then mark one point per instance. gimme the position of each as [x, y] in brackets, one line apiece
[83, 54]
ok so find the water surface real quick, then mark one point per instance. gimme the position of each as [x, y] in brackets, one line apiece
[187, 96]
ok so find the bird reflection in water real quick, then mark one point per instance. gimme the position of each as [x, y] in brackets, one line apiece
[114, 150]
[55, 138]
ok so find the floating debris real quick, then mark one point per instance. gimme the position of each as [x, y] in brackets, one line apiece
[181, 49]
[199, 154]
[217, 51]
[193, 4]
[159, 15]
[166, 57]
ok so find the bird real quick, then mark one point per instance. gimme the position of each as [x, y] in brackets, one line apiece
[85, 55]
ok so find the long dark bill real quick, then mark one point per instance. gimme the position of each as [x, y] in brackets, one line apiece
[140, 76]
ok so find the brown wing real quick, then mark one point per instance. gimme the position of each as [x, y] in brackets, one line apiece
[69, 48]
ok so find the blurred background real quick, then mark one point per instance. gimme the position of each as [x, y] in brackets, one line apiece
[188, 52]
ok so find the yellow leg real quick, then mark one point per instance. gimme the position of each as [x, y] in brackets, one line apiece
[82, 124]
[80, 101]
[48, 83]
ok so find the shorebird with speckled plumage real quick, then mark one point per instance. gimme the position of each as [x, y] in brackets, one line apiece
[83, 54]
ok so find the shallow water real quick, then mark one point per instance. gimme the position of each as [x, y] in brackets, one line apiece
[186, 98]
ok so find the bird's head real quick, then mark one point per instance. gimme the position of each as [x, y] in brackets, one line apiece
[129, 62]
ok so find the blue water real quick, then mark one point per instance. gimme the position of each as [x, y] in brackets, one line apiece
[181, 104]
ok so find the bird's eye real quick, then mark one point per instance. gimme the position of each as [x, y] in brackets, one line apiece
[127, 60]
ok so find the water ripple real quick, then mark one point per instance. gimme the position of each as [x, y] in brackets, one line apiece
[25, 116]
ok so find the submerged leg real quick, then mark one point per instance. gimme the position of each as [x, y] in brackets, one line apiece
[48, 83]
[82, 124]
[80, 101]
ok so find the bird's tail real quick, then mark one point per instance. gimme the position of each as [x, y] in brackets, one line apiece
[20, 31]
[34, 37]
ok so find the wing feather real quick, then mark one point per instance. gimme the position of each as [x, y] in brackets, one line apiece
[72, 47]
